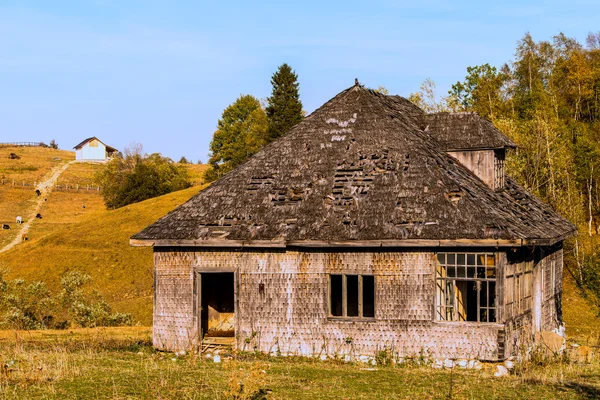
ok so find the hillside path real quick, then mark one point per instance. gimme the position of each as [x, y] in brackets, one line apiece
[45, 187]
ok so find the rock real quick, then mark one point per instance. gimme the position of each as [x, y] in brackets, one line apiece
[217, 358]
[448, 363]
[509, 364]
[438, 364]
[347, 358]
[323, 357]
[462, 363]
[502, 371]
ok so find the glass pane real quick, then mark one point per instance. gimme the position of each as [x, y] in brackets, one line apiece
[451, 259]
[352, 295]
[480, 259]
[368, 296]
[492, 315]
[491, 260]
[491, 272]
[470, 272]
[460, 272]
[451, 272]
[460, 259]
[441, 258]
[470, 259]
[336, 295]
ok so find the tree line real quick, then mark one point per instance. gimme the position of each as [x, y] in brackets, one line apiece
[547, 100]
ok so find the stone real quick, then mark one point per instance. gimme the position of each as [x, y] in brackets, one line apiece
[448, 363]
[509, 364]
[217, 358]
[501, 371]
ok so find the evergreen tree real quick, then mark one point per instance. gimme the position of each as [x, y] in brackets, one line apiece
[284, 108]
[241, 132]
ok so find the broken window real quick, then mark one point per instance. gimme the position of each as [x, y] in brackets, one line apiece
[466, 287]
[352, 296]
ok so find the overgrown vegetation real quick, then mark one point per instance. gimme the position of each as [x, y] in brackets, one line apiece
[136, 177]
[27, 306]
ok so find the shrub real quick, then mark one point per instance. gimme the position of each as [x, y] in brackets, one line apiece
[28, 306]
[135, 178]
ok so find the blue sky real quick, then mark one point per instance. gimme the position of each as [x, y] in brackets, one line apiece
[160, 73]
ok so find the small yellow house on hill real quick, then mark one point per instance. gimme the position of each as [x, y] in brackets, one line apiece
[92, 149]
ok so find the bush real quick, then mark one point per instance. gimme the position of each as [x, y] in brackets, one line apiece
[135, 178]
[33, 306]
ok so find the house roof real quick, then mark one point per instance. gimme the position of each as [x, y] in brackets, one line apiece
[110, 149]
[358, 170]
[464, 131]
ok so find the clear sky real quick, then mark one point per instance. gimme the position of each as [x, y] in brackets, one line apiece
[160, 73]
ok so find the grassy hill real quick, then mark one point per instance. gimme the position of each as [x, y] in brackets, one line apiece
[77, 232]
[18, 178]
[97, 244]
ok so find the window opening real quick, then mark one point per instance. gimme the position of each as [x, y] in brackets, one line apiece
[352, 296]
[466, 287]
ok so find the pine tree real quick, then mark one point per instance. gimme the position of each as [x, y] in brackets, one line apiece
[284, 108]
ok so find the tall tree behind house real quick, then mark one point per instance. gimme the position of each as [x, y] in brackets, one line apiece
[284, 109]
[241, 132]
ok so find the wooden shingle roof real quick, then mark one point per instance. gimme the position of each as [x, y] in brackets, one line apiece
[464, 131]
[360, 170]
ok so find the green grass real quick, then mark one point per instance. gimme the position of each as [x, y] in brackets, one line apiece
[119, 363]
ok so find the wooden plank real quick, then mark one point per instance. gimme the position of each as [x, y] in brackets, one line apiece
[350, 243]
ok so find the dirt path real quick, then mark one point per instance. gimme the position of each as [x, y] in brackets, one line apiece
[45, 187]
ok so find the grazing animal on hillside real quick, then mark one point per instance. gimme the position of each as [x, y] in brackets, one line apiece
[38, 216]
[23, 237]
[83, 206]
[19, 219]
[5, 226]
[14, 156]
[37, 191]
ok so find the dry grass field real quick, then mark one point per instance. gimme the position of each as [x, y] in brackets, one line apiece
[17, 179]
[95, 241]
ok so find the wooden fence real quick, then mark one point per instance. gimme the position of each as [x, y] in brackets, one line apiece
[23, 144]
[62, 188]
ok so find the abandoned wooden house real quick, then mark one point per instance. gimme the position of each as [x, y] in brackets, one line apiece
[369, 225]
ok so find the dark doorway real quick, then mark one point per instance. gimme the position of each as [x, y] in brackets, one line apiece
[218, 305]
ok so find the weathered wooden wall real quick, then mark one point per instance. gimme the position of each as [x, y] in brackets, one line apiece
[521, 328]
[481, 162]
[290, 316]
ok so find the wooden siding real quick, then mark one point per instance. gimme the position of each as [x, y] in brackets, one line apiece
[290, 316]
[480, 162]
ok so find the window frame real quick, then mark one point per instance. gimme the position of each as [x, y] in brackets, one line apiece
[445, 307]
[344, 299]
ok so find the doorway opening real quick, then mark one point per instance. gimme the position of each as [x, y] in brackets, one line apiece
[217, 310]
